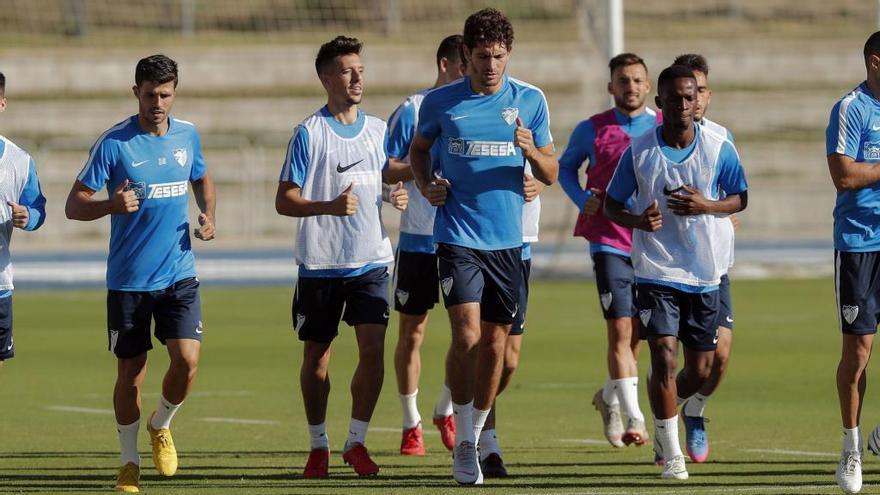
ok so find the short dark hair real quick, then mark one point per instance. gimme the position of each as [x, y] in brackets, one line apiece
[872, 46]
[156, 68]
[624, 60]
[693, 61]
[337, 47]
[450, 48]
[2, 85]
[672, 73]
[487, 26]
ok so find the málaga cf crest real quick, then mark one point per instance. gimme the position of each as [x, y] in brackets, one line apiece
[180, 156]
[509, 115]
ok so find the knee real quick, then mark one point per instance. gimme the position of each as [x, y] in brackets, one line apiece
[721, 360]
[186, 364]
[411, 339]
[464, 339]
[131, 369]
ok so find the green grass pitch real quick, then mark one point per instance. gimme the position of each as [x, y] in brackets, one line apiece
[774, 426]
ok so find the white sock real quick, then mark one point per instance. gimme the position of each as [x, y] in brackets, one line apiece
[318, 437]
[489, 444]
[666, 437]
[480, 417]
[444, 403]
[128, 443]
[609, 395]
[628, 393]
[411, 416]
[852, 439]
[464, 422]
[357, 433]
[696, 405]
[162, 417]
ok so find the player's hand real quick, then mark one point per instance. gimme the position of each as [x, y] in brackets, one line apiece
[122, 201]
[691, 202]
[206, 230]
[651, 219]
[531, 188]
[345, 204]
[436, 190]
[399, 197]
[523, 139]
[734, 220]
[20, 215]
[593, 204]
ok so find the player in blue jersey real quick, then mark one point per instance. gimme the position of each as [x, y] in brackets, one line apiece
[692, 397]
[852, 141]
[416, 286]
[147, 162]
[332, 181]
[488, 125]
[598, 142]
[25, 208]
[669, 186]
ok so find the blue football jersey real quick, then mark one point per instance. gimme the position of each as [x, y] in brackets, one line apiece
[854, 130]
[150, 248]
[476, 154]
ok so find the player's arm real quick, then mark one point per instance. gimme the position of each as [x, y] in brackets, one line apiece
[434, 189]
[289, 202]
[848, 174]
[397, 171]
[575, 156]
[398, 137]
[206, 199]
[542, 159]
[622, 186]
[29, 212]
[731, 179]
[81, 204]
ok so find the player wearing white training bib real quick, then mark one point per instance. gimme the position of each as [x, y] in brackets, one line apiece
[332, 181]
[416, 286]
[675, 176]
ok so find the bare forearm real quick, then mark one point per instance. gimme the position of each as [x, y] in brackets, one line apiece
[205, 193]
[545, 167]
[81, 207]
[727, 206]
[848, 174]
[397, 171]
[419, 166]
[615, 211]
[302, 207]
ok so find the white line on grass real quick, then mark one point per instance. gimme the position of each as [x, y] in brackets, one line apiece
[790, 452]
[84, 410]
[562, 385]
[653, 491]
[209, 393]
[241, 421]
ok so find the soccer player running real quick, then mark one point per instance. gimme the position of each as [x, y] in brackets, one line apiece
[147, 162]
[24, 207]
[332, 180]
[600, 141]
[671, 178]
[694, 397]
[416, 286]
[852, 141]
[488, 126]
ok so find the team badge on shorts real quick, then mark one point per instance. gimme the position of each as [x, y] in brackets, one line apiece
[509, 115]
[402, 296]
[849, 313]
[300, 320]
[180, 156]
[446, 285]
[645, 316]
[605, 299]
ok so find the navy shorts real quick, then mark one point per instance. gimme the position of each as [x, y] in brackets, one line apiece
[857, 287]
[725, 304]
[692, 318]
[416, 286]
[7, 349]
[320, 303]
[176, 310]
[491, 278]
[519, 323]
[616, 284]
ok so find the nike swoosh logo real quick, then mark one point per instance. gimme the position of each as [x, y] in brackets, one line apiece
[340, 168]
[138, 164]
[729, 320]
[458, 117]
[669, 192]
[198, 331]
[875, 127]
